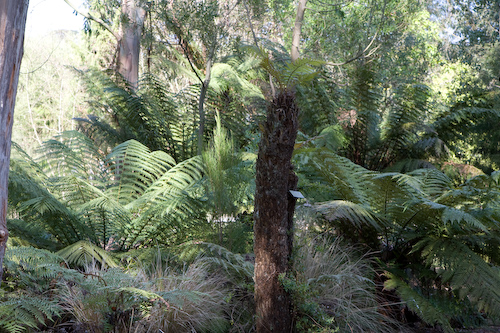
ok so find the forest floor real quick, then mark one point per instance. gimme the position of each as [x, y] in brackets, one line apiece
[484, 329]
[489, 329]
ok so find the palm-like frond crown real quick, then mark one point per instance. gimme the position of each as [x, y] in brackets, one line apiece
[114, 201]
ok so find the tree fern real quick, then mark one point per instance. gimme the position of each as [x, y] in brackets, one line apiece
[445, 234]
[130, 194]
[83, 253]
[216, 257]
[420, 304]
[22, 313]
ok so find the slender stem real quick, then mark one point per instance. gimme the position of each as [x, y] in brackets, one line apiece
[297, 30]
[93, 18]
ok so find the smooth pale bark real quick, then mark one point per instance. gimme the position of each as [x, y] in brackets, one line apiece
[129, 41]
[297, 30]
[12, 26]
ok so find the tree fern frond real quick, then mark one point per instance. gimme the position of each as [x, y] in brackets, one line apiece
[31, 257]
[83, 253]
[18, 314]
[71, 152]
[418, 303]
[75, 190]
[349, 180]
[135, 168]
[468, 274]
[107, 219]
[35, 269]
[285, 72]
[37, 204]
[102, 133]
[217, 257]
[31, 234]
[461, 115]
[180, 178]
[224, 76]
[349, 211]
[435, 183]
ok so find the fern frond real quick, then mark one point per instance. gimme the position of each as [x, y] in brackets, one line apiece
[349, 211]
[37, 204]
[418, 303]
[468, 274]
[134, 168]
[69, 152]
[217, 257]
[19, 313]
[82, 253]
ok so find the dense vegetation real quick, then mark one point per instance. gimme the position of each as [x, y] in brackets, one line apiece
[131, 203]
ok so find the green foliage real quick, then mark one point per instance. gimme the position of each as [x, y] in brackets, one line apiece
[318, 103]
[25, 312]
[286, 73]
[434, 235]
[238, 270]
[131, 196]
[167, 119]
[30, 278]
[83, 253]
[150, 115]
[40, 287]
[133, 182]
[227, 178]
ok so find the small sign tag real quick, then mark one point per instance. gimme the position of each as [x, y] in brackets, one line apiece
[297, 194]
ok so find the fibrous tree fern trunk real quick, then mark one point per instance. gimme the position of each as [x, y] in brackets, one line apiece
[273, 214]
[12, 25]
[274, 205]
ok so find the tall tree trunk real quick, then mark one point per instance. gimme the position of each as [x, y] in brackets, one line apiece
[274, 205]
[12, 26]
[129, 43]
[201, 100]
[297, 30]
[273, 213]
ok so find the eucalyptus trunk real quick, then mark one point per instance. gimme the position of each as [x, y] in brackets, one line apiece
[129, 41]
[12, 26]
[273, 213]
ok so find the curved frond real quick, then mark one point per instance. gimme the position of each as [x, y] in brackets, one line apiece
[469, 275]
[83, 253]
[19, 313]
[134, 168]
[349, 211]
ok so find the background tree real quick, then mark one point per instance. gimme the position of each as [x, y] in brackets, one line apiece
[11, 51]
[125, 26]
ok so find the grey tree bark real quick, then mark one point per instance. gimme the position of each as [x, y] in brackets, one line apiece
[12, 27]
[128, 37]
[129, 41]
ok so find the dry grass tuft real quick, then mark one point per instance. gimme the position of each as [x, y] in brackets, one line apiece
[340, 282]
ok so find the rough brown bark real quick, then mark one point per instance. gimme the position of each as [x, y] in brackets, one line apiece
[129, 43]
[12, 26]
[273, 214]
